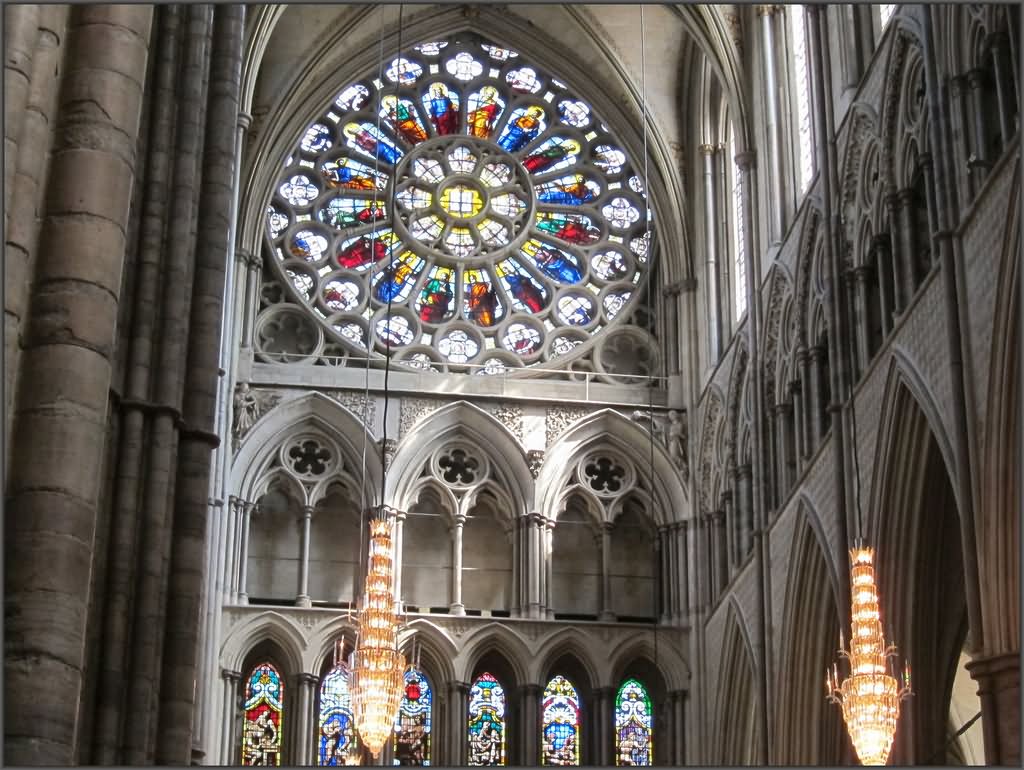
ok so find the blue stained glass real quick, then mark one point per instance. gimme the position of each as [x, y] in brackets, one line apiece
[633, 725]
[437, 299]
[554, 263]
[395, 281]
[486, 722]
[560, 720]
[412, 730]
[365, 138]
[264, 706]
[526, 293]
[572, 190]
[524, 125]
[338, 743]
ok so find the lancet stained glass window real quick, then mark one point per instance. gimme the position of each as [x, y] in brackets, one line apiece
[486, 721]
[412, 730]
[560, 724]
[634, 725]
[506, 185]
[337, 742]
[264, 707]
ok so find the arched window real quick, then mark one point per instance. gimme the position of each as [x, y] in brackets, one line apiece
[412, 730]
[337, 742]
[802, 86]
[634, 725]
[519, 228]
[486, 721]
[560, 724]
[264, 707]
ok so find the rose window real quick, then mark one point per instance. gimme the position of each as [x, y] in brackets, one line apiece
[467, 211]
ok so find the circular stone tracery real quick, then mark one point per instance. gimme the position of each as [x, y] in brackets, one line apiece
[462, 200]
[466, 208]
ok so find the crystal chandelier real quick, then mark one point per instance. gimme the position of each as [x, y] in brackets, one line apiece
[377, 666]
[870, 695]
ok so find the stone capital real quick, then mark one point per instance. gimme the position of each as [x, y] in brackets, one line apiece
[746, 159]
[706, 149]
[607, 527]
[765, 9]
[529, 690]
[230, 676]
[310, 680]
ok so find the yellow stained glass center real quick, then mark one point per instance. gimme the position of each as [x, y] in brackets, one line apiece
[461, 200]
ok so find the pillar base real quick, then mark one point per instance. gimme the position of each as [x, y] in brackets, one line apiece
[303, 601]
[549, 614]
[457, 609]
[243, 599]
[607, 616]
[998, 679]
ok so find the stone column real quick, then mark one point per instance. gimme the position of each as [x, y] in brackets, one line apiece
[998, 679]
[711, 546]
[457, 607]
[722, 561]
[248, 511]
[34, 35]
[398, 556]
[731, 533]
[548, 533]
[1001, 66]
[458, 711]
[517, 567]
[684, 571]
[979, 160]
[675, 581]
[787, 459]
[776, 212]
[69, 336]
[606, 613]
[746, 507]
[302, 752]
[796, 394]
[818, 405]
[882, 246]
[302, 599]
[804, 415]
[679, 726]
[661, 576]
[21, 36]
[199, 403]
[861, 275]
[925, 161]
[713, 294]
[254, 265]
[605, 726]
[230, 751]
[908, 242]
[896, 256]
[529, 728]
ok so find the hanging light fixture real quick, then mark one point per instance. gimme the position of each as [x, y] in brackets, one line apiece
[871, 694]
[378, 667]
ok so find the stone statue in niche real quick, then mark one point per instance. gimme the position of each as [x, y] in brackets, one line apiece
[675, 440]
[673, 433]
[249, 406]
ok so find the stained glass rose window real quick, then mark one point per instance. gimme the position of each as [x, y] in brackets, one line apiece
[478, 197]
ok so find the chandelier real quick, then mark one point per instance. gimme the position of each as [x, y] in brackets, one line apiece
[378, 666]
[870, 695]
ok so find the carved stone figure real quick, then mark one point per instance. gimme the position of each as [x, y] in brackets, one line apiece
[535, 459]
[675, 439]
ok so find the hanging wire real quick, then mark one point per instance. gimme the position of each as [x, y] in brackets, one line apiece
[650, 321]
[391, 272]
[363, 495]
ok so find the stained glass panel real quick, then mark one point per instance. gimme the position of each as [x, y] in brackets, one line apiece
[412, 730]
[634, 725]
[560, 724]
[486, 722]
[494, 197]
[264, 708]
[338, 743]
